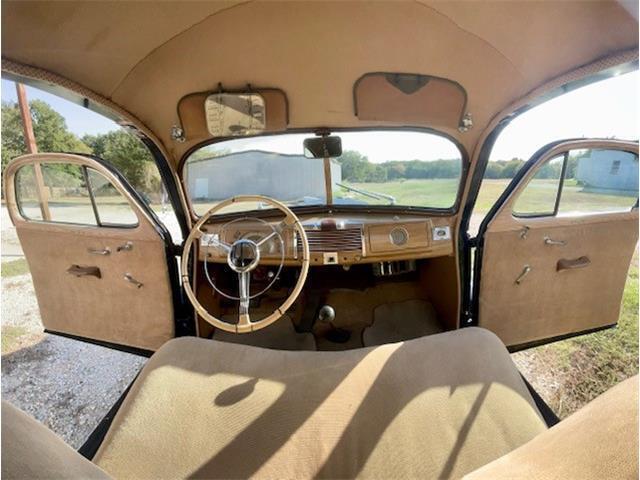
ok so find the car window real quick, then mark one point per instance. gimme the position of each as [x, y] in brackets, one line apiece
[377, 167]
[595, 181]
[604, 109]
[75, 195]
[539, 196]
[599, 180]
[112, 207]
[63, 126]
[27, 193]
[67, 194]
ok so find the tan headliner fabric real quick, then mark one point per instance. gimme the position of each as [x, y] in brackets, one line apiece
[442, 405]
[597, 442]
[146, 56]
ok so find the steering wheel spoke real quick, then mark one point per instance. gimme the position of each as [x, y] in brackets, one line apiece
[213, 240]
[244, 280]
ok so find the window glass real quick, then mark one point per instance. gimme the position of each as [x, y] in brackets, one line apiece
[605, 109]
[385, 167]
[113, 208]
[67, 193]
[63, 126]
[27, 193]
[599, 180]
[539, 196]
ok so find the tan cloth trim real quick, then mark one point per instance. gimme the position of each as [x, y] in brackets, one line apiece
[598, 441]
[438, 406]
[31, 451]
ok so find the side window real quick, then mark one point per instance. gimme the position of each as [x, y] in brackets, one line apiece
[539, 197]
[67, 194]
[76, 195]
[27, 193]
[63, 126]
[599, 180]
[112, 207]
[595, 180]
[604, 109]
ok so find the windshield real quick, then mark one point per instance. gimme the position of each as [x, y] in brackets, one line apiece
[394, 168]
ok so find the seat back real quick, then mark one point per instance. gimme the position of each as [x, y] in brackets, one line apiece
[433, 407]
[598, 441]
[32, 451]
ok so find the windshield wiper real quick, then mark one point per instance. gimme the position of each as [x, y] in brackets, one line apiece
[375, 195]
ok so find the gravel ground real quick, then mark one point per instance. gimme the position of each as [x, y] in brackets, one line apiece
[66, 384]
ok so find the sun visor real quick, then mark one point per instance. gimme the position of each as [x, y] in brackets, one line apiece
[195, 113]
[410, 99]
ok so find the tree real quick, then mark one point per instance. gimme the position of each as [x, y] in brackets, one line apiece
[129, 156]
[49, 128]
[493, 171]
[511, 168]
[355, 166]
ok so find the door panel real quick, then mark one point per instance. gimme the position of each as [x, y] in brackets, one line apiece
[85, 275]
[562, 272]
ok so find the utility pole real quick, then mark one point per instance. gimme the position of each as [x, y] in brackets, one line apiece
[27, 125]
[32, 147]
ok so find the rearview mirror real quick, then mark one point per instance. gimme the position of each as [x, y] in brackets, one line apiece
[235, 114]
[323, 147]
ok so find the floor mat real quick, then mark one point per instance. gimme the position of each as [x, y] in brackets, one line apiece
[395, 322]
[278, 336]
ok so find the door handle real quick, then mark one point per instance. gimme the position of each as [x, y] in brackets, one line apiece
[80, 271]
[572, 264]
[128, 246]
[551, 241]
[96, 251]
[129, 278]
[524, 273]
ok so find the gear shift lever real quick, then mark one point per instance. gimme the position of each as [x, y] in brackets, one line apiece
[326, 314]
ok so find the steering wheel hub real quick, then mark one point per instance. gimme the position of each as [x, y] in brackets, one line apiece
[243, 256]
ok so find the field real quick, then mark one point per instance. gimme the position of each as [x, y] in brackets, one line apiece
[442, 194]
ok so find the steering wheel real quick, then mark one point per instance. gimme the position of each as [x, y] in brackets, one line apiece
[243, 256]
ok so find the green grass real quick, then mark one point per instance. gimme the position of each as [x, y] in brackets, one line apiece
[424, 193]
[539, 196]
[14, 268]
[11, 335]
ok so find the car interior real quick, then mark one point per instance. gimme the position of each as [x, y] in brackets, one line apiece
[309, 319]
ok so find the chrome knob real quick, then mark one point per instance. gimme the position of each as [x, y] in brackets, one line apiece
[326, 314]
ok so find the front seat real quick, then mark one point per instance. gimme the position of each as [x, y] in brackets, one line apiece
[438, 406]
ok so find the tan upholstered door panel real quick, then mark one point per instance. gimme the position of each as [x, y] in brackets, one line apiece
[555, 275]
[85, 276]
[549, 303]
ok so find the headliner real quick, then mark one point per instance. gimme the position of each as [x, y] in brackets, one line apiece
[145, 56]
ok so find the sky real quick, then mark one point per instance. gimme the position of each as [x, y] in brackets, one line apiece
[80, 120]
[604, 109]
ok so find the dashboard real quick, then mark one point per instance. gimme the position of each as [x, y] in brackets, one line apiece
[336, 239]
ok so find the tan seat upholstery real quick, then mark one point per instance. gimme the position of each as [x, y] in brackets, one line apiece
[32, 451]
[441, 405]
[599, 441]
